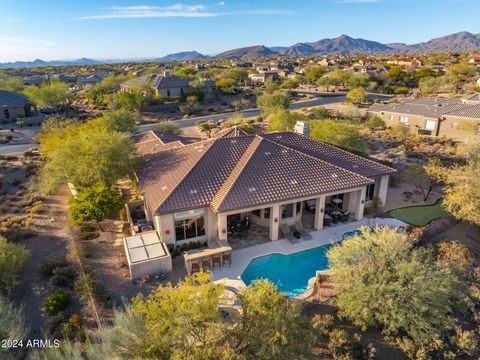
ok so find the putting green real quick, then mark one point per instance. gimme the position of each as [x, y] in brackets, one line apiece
[420, 215]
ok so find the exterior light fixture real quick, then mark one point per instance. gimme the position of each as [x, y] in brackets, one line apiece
[167, 232]
[275, 219]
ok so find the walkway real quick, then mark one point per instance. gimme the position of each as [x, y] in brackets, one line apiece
[242, 257]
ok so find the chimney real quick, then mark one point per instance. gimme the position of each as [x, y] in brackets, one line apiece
[302, 127]
[166, 73]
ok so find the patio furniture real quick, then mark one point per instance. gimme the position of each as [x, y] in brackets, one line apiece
[286, 232]
[217, 260]
[206, 264]
[299, 227]
[327, 220]
[227, 258]
[343, 217]
[195, 267]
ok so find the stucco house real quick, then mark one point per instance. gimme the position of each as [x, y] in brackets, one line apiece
[432, 116]
[165, 85]
[196, 190]
[14, 106]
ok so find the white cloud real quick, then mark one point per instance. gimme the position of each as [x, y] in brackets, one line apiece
[12, 20]
[15, 41]
[175, 10]
[147, 11]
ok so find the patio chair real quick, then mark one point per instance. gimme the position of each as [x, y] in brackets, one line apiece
[195, 267]
[302, 231]
[286, 232]
[227, 258]
[206, 265]
[217, 260]
[327, 220]
[343, 217]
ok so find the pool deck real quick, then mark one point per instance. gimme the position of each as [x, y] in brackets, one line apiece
[230, 276]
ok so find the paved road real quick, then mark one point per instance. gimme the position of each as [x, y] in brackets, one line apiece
[13, 149]
[322, 99]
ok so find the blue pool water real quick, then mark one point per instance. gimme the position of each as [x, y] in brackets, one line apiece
[290, 273]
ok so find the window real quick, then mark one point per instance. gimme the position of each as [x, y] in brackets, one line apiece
[287, 211]
[168, 92]
[189, 224]
[370, 192]
[266, 214]
[256, 212]
[404, 120]
[430, 124]
[6, 113]
[181, 91]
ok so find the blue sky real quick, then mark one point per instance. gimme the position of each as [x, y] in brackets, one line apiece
[69, 29]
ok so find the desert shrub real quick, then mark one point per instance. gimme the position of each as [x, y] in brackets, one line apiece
[466, 342]
[53, 325]
[342, 346]
[63, 276]
[56, 302]
[47, 266]
[12, 326]
[457, 256]
[13, 260]
[84, 284]
[322, 323]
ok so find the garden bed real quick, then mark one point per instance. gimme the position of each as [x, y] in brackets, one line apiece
[420, 215]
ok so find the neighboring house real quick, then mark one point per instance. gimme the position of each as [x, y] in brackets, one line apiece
[34, 80]
[196, 190]
[87, 82]
[478, 82]
[165, 85]
[474, 60]
[14, 106]
[432, 116]
[263, 76]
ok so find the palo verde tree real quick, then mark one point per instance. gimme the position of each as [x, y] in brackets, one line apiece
[55, 94]
[13, 260]
[385, 281]
[94, 203]
[88, 154]
[341, 134]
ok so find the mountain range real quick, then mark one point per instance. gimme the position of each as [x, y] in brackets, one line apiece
[345, 45]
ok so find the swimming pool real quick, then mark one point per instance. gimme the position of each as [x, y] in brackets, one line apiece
[290, 273]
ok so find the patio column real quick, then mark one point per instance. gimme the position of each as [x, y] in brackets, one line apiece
[319, 212]
[359, 202]
[383, 188]
[274, 222]
[222, 226]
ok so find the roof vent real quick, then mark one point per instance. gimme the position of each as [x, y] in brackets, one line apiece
[193, 191]
[233, 141]
[355, 166]
[252, 189]
[284, 151]
[293, 182]
[279, 137]
[268, 153]
[335, 176]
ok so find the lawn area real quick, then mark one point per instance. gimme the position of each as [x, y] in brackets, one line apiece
[420, 215]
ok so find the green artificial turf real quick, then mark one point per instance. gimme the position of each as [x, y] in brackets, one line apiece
[420, 215]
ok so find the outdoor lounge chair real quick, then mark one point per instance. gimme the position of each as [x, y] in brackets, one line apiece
[286, 232]
[302, 231]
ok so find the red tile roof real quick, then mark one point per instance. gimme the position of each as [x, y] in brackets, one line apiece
[231, 173]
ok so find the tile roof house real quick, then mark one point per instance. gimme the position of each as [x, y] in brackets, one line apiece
[432, 116]
[14, 106]
[193, 189]
[164, 85]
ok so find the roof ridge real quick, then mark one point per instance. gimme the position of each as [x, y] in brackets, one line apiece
[186, 173]
[237, 170]
[313, 157]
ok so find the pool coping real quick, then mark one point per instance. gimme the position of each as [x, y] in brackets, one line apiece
[231, 276]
